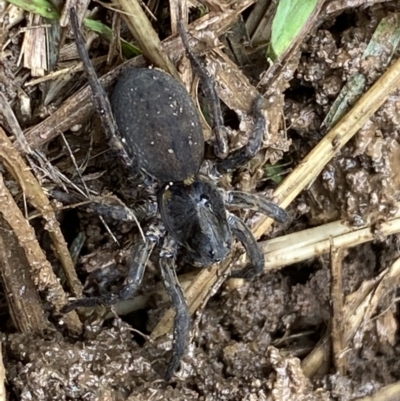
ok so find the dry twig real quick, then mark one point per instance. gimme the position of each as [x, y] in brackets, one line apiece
[387, 393]
[145, 35]
[357, 312]
[34, 192]
[306, 244]
[337, 310]
[23, 300]
[41, 270]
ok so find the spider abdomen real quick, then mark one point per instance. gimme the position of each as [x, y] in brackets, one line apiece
[159, 122]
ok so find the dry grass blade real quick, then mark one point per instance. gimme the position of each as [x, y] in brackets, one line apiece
[32, 189]
[79, 5]
[259, 22]
[388, 283]
[387, 393]
[337, 309]
[309, 243]
[178, 10]
[64, 72]
[356, 305]
[357, 312]
[23, 300]
[40, 269]
[337, 6]
[74, 110]
[145, 35]
[306, 244]
[311, 166]
[319, 359]
[34, 48]
[2, 377]
[13, 124]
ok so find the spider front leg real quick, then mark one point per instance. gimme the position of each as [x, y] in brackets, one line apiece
[140, 254]
[178, 300]
[99, 97]
[245, 200]
[246, 237]
[247, 152]
[102, 208]
[208, 85]
[244, 154]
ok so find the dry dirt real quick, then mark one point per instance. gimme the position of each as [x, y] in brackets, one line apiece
[250, 340]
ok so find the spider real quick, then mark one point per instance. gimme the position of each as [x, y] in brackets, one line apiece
[159, 126]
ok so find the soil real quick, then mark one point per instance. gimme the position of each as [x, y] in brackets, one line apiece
[252, 339]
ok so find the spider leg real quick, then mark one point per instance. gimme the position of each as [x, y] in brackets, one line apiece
[255, 202]
[140, 254]
[242, 155]
[99, 97]
[246, 237]
[175, 292]
[102, 208]
[208, 86]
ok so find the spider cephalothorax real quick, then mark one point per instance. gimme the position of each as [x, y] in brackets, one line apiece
[160, 126]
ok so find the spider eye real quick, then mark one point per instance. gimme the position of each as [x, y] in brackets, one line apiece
[204, 200]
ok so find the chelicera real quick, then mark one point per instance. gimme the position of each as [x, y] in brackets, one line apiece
[159, 125]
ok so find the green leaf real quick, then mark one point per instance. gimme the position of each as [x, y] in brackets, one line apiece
[274, 172]
[128, 49]
[46, 9]
[41, 7]
[290, 18]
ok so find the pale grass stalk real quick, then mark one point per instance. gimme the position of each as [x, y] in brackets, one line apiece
[306, 244]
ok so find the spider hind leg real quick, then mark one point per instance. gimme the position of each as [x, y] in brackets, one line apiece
[140, 254]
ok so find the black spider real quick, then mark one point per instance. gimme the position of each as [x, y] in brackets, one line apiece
[160, 127]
